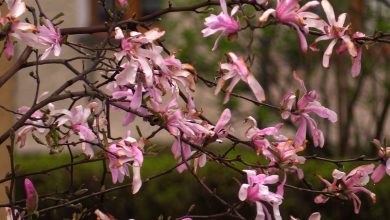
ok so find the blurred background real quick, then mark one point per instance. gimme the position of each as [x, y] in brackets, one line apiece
[362, 105]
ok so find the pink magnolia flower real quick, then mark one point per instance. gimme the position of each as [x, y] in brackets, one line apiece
[259, 137]
[36, 123]
[121, 155]
[289, 12]
[49, 38]
[384, 166]
[334, 30]
[180, 74]
[299, 111]
[346, 186]
[185, 125]
[256, 191]
[237, 70]
[77, 119]
[17, 29]
[31, 196]
[281, 153]
[284, 155]
[223, 23]
[142, 58]
[128, 98]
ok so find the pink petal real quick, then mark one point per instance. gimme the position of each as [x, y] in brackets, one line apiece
[87, 150]
[321, 199]
[243, 192]
[341, 19]
[350, 45]
[280, 188]
[223, 120]
[264, 17]
[300, 136]
[18, 8]
[315, 216]
[9, 48]
[357, 63]
[137, 98]
[308, 5]
[256, 88]
[322, 112]
[259, 211]
[224, 7]
[154, 34]
[302, 38]
[356, 203]
[137, 182]
[378, 173]
[329, 11]
[328, 53]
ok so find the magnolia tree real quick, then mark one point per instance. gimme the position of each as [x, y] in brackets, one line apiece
[139, 76]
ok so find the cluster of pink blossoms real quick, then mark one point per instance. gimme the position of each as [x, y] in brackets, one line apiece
[237, 70]
[123, 153]
[256, 191]
[148, 75]
[290, 13]
[52, 121]
[299, 108]
[45, 37]
[346, 186]
[223, 23]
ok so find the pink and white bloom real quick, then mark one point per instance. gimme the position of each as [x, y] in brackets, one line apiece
[144, 58]
[259, 137]
[17, 29]
[36, 123]
[237, 70]
[285, 156]
[126, 152]
[281, 153]
[290, 13]
[49, 37]
[223, 23]
[256, 191]
[335, 31]
[299, 111]
[346, 186]
[384, 166]
[77, 120]
[31, 196]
